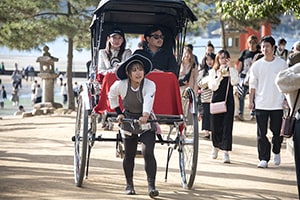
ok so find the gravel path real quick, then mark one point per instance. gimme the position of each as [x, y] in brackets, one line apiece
[36, 163]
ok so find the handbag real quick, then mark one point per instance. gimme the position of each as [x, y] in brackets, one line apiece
[288, 122]
[220, 107]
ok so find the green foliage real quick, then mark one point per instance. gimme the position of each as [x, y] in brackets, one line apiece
[204, 10]
[27, 24]
[292, 7]
[251, 13]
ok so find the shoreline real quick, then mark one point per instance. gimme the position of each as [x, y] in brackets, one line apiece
[25, 60]
[25, 94]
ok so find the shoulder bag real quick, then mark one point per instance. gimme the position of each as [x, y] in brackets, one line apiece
[288, 122]
[220, 107]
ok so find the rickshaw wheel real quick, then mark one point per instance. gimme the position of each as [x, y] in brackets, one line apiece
[80, 142]
[119, 146]
[188, 142]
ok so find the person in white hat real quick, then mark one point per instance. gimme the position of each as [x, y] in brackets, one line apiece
[294, 57]
[137, 94]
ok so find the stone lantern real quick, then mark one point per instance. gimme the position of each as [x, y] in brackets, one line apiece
[47, 75]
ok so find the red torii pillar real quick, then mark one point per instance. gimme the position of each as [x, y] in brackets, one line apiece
[244, 37]
[266, 29]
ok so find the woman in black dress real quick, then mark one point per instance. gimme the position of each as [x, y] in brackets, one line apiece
[221, 124]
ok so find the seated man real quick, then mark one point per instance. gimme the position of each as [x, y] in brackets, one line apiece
[162, 59]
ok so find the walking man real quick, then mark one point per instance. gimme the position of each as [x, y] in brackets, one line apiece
[267, 101]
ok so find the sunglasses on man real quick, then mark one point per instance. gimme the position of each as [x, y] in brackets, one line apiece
[157, 36]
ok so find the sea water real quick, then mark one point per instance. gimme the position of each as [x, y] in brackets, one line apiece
[59, 49]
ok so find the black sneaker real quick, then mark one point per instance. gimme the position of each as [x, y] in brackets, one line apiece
[153, 193]
[129, 190]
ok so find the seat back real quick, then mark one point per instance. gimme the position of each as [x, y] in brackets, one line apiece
[167, 97]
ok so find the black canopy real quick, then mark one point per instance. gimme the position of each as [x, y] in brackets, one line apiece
[134, 16]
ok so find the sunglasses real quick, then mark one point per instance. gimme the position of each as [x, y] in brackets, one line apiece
[157, 36]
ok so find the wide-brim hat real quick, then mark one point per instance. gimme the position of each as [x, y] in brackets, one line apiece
[146, 62]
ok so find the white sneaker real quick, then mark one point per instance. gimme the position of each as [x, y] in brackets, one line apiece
[277, 159]
[214, 153]
[226, 157]
[262, 164]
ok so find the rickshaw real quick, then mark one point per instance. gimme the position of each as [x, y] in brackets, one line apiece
[178, 111]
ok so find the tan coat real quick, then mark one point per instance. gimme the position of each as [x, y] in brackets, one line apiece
[288, 82]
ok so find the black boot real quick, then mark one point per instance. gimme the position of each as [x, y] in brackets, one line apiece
[129, 188]
[153, 192]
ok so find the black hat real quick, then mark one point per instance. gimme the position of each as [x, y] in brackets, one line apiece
[121, 71]
[116, 31]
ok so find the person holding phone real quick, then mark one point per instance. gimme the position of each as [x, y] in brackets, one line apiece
[221, 76]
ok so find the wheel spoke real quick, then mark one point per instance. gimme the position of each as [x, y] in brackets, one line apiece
[80, 143]
[188, 153]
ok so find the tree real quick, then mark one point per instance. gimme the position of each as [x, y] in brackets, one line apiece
[27, 25]
[204, 10]
[251, 13]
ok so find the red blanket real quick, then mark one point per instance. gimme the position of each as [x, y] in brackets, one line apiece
[167, 98]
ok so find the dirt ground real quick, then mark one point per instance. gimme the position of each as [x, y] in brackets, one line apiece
[36, 162]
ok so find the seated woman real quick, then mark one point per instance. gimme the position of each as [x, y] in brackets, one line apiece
[114, 53]
[137, 94]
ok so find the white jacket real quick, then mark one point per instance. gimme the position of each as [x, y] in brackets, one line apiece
[120, 87]
[103, 62]
[215, 78]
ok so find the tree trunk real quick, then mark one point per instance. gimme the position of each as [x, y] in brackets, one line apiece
[223, 42]
[71, 101]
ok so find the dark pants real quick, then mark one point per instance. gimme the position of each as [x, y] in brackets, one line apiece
[243, 90]
[38, 100]
[65, 98]
[263, 144]
[222, 126]
[297, 153]
[148, 143]
[206, 117]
